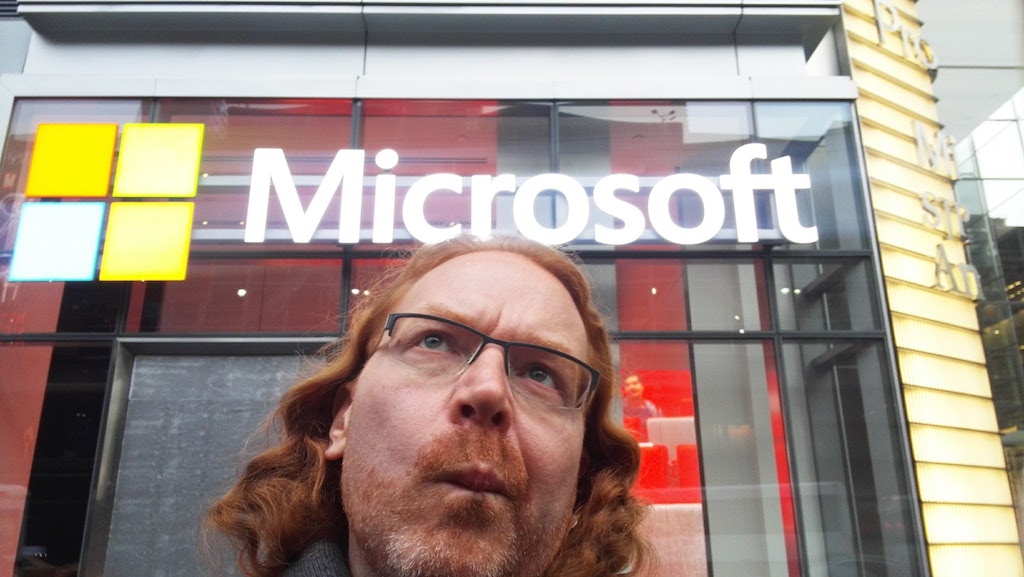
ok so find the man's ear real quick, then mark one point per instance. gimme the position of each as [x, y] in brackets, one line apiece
[337, 436]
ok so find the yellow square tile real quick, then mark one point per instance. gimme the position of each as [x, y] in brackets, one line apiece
[72, 160]
[147, 241]
[159, 160]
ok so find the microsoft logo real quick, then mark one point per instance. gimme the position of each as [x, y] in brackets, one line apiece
[147, 235]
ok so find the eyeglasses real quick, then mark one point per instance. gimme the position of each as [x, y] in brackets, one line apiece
[438, 346]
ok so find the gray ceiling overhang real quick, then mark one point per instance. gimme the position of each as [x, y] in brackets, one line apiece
[426, 21]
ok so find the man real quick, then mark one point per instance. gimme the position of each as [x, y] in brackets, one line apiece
[461, 429]
[635, 408]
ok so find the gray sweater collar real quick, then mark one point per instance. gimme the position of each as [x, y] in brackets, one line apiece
[321, 559]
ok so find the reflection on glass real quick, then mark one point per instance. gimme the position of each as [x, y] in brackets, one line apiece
[1000, 153]
[366, 273]
[818, 137]
[49, 307]
[1005, 201]
[747, 481]
[664, 373]
[90, 307]
[50, 426]
[309, 132]
[23, 383]
[650, 295]
[463, 138]
[657, 408]
[27, 116]
[993, 190]
[241, 296]
[650, 140]
[852, 487]
[1002, 334]
[827, 460]
[826, 296]
[727, 296]
[678, 295]
[28, 307]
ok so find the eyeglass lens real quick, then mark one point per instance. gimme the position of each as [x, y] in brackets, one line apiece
[438, 346]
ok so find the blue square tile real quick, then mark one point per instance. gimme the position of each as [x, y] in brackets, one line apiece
[57, 241]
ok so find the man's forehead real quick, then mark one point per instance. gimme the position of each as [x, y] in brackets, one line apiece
[504, 292]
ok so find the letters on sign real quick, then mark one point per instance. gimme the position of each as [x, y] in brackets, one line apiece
[270, 169]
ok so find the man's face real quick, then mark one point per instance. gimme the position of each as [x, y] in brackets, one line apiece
[457, 475]
[633, 387]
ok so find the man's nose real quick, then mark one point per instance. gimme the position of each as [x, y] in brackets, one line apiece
[482, 393]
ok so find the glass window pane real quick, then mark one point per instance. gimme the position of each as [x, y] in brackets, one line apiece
[51, 307]
[28, 307]
[665, 376]
[28, 114]
[271, 295]
[463, 138]
[680, 295]
[727, 295]
[90, 307]
[1009, 242]
[657, 409]
[855, 507]
[818, 138]
[650, 295]
[1005, 201]
[366, 273]
[309, 132]
[22, 384]
[966, 161]
[50, 421]
[745, 468]
[1002, 325]
[651, 140]
[713, 455]
[999, 150]
[826, 296]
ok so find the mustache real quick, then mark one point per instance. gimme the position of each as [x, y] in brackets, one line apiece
[467, 455]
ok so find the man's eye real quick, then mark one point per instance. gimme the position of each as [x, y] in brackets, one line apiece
[541, 375]
[434, 342]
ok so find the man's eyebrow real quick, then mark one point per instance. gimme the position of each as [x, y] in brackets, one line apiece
[530, 337]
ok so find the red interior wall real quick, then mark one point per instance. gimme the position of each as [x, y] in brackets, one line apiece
[24, 370]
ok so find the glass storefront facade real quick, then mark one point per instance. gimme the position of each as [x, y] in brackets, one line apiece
[991, 186]
[768, 413]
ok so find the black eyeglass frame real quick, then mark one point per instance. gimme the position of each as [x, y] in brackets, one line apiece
[486, 339]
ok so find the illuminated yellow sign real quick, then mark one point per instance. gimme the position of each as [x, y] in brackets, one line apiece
[146, 238]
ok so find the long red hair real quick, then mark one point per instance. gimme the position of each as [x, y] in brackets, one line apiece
[289, 495]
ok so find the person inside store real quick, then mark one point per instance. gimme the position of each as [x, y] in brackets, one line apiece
[461, 429]
[636, 410]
